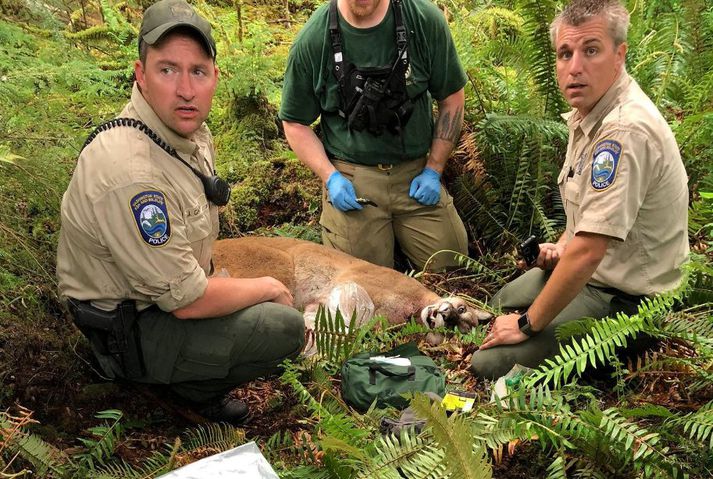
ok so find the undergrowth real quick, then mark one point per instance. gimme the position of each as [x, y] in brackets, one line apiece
[65, 67]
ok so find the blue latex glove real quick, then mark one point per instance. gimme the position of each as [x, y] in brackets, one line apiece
[426, 187]
[341, 193]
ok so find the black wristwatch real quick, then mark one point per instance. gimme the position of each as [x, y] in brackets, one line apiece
[523, 323]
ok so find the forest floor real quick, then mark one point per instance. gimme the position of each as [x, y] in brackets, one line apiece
[54, 375]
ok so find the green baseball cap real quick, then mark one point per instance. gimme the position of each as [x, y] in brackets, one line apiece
[162, 17]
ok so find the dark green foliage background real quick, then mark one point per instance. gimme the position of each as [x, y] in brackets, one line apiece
[66, 66]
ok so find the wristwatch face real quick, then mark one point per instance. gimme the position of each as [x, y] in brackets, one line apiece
[524, 324]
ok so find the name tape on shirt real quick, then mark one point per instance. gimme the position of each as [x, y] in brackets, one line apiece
[151, 215]
[605, 164]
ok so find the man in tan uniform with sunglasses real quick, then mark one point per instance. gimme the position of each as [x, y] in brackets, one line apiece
[624, 190]
[138, 222]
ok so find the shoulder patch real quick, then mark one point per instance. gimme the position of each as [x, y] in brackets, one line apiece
[151, 215]
[605, 164]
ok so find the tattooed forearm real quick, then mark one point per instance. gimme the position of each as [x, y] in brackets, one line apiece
[449, 125]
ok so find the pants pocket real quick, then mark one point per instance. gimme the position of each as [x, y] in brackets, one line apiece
[335, 226]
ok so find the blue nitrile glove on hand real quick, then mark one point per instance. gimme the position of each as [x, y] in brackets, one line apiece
[341, 193]
[426, 187]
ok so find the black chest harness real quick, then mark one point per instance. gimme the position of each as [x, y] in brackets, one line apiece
[375, 98]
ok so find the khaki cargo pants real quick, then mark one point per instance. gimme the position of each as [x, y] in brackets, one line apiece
[205, 358]
[518, 295]
[369, 233]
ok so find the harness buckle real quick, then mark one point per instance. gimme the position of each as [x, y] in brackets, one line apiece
[384, 167]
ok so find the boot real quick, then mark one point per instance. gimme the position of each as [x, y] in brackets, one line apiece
[226, 409]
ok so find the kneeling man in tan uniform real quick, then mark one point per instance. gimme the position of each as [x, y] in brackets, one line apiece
[624, 190]
[138, 223]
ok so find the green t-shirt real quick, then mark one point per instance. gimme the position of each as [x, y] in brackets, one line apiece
[311, 90]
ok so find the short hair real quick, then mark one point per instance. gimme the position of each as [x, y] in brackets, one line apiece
[579, 11]
[178, 31]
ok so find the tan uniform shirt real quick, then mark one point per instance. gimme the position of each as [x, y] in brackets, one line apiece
[623, 177]
[136, 223]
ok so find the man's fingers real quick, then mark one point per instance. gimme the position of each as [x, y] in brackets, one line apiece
[489, 341]
[352, 203]
[414, 188]
[346, 203]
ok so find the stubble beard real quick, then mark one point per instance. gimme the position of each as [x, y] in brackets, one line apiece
[362, 11]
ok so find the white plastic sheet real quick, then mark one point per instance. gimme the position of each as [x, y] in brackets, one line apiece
[349, 298]
[242, 462]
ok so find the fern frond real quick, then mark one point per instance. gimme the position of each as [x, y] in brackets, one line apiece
[516, 194]
[698, 329]
[538, 14]
[588, 470]
[635, 439]
[465, 459]
[639, 445]
[291, 377]
[157, 464]
[698, 425]
[597, 346]
[15, 440]
[336, 341]
[344, 427]
[410, 453]
[428, 464]
[306, 472]
[537, 412]
[549, 225]
[694, 371]
[101, 446]
[558, 468]
[214, 436]
[577, 327]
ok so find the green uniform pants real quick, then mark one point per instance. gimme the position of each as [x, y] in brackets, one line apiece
[205, 358]
[370, 233]
[518, 295]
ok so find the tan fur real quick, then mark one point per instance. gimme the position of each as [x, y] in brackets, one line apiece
[311, 271]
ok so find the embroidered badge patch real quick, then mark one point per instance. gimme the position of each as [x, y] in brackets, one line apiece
[151, 215]
[605, 163]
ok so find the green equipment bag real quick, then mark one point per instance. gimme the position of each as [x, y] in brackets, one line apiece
[384, 377]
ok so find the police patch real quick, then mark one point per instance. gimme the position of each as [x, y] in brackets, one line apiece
[605, 163]
[151, 215]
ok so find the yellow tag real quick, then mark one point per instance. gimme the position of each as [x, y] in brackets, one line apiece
[454, 402]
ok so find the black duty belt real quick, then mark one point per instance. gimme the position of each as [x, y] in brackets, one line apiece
[620, 294]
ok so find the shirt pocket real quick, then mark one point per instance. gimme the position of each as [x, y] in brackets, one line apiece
[562, 176]
[571, 202]
[197, 219]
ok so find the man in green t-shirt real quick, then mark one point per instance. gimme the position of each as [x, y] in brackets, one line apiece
[370, 69]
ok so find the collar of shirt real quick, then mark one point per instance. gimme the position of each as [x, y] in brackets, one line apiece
[184, 146]
[601, 109]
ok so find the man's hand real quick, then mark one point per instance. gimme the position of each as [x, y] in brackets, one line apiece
[505, 330]
[341, 192]
[276, 291]
[550, 254]
[426, 187]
